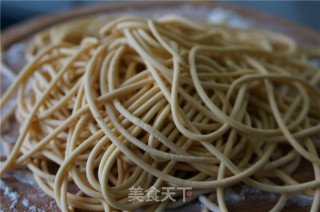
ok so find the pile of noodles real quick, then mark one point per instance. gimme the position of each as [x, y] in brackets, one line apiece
[120, 103]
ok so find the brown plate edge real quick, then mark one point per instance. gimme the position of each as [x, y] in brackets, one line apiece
[26, 28]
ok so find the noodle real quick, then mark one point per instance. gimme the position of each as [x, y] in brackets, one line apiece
[122, 103]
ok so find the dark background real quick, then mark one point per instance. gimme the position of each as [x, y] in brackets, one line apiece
[306, 13]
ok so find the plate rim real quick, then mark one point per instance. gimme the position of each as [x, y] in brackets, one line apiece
[31, 26]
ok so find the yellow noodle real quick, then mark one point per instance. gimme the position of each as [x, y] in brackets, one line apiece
[128, 102]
